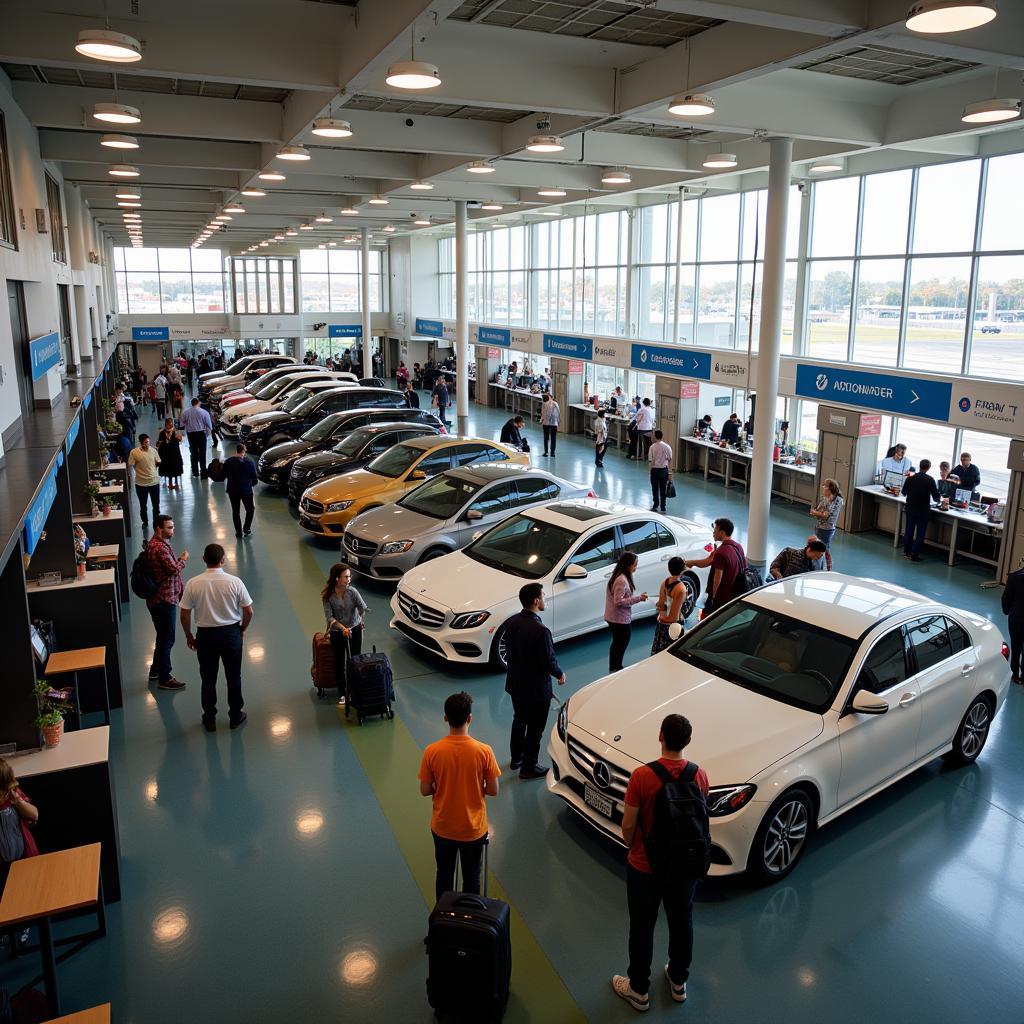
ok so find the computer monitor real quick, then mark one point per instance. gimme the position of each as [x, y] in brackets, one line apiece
[892, 478]
[39, 648]
[963, 496]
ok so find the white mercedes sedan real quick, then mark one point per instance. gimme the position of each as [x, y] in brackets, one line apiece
[807, 696]
[456, 605]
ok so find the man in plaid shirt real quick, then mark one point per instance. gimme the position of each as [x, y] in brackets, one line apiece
[163, 605]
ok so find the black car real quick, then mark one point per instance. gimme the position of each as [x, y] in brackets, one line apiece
[293, 419]
[274, 465]
[352, 452]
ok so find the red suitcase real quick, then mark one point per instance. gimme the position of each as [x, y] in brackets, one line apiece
[322, 669]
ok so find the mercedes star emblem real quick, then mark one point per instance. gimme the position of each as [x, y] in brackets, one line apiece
[602, 774]
[414, 612]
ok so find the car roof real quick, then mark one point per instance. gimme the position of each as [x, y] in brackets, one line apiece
[384, 428]
[580, 514]
[850, 605]
[434, 440]
[326, 385]
[486, 472]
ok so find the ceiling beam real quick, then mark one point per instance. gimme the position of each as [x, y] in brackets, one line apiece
[84, 147]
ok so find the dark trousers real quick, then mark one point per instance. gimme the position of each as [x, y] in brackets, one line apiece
[529, 720]
[250, 510]
[645, 894]
[599, 450]
[154, 496]
[158, 405]
[344, 648]
[659, 487]
[621, 632]
[470, 855]
[643, 443]
[913, 539]
[1016, 647]
[215, 644]
[550, 438]
[163, 616]
[441, 411]
[197, 449]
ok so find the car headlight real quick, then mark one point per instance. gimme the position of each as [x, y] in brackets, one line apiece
[396, 547]
[338, 506]
[724, 800]
[562, 721]
[467, 620]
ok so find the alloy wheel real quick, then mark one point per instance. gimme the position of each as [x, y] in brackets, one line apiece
[785, 836]
[975, 729]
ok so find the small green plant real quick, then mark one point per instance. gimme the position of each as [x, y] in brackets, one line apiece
[52, 704]
[92, 492]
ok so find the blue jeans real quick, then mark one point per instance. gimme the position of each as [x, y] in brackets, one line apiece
[163, 615]
[825, 536]
[469, 853]
[215, 644]
[913, 539]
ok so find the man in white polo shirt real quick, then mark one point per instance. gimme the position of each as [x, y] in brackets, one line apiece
[660, 458]
[223, 611]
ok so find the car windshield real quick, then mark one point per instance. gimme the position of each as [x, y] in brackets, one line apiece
[322, 431]
[395, 461]
[440, 498]
[522, 546]
[297, 398]
[277, 386]
[774, 654]
[238, 365]
[353, 444]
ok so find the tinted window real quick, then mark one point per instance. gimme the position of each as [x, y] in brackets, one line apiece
[391, 399]
[535, 488]
[885, 665]
[665, 538]
[957, 636]
[439, 498]
[467, 453]
[597, 551]
[495, 499]
[436, 462]
[380, 444]
[640, 537]
[930, 641]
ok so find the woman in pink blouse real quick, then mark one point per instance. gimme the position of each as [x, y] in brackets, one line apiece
[619, 599]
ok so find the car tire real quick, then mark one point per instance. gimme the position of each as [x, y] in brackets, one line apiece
[971, 734]
[781, 838]
[692, 585]
[498, 656]
[429, 556]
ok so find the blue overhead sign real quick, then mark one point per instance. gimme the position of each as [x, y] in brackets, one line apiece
[568, 347]
[151, 334]
[344, 330]
[679, 360]
[45, 353]
[907, 396]
[431, 328]
[38, 511]
[494, 336]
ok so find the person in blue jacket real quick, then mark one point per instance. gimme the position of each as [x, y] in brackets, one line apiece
[239, 478]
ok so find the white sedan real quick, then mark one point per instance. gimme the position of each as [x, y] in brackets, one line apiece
[806, 696]
[456, 605]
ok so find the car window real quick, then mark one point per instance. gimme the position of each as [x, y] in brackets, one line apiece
[665, 537]
[535, 488]
[495, 499]
[494, 454]
[440, 498]
[380, 444]
[958, 636]
[886, 664]
[640, 536]
[597, 551]
[467, 453]
[929, 641]
[435, 462]
[522, 546]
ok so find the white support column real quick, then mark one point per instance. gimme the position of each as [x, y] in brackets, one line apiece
[364, 282]
[83, 329]
[769, 348]
[679, 268]
[461, 322]
[76, 349]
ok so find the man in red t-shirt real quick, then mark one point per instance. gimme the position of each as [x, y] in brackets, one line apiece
[727, 561]
[646, 891]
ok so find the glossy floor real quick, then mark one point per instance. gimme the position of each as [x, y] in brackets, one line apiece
[284, 871]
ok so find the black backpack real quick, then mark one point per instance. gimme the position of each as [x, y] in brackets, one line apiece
[142, 581]
[747, 579]
[679, 844]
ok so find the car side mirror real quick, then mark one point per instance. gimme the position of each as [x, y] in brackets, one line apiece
[575, 572]
[867, 703]
[474, 513]
[417, 474]
[675, 631]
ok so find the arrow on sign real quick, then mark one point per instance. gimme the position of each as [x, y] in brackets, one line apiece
[695, 364]
[916, 397]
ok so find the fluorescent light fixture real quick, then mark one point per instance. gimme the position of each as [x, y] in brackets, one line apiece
[257, 193]
[234, 208]
[127, 192]
[131, 204]
[940, 16]
[552, 192]
[350, 211]
[692, 104]
[332, 128]
[719, 160]
[421, 186]
[379, 200]
[480, 167]
[116, 113]
[413, 74]
[119, 141]
[123, 171]
[991, 111]
[491, 206]
[270, 176]
[322, 218]
[113, 47]
[549, 213]
[293, 153]
[828, 165]
[615, 176]
[544, 144]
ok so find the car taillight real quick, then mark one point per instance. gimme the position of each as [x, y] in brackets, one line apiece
[709, 548]
[1005, 651]
[591, 494]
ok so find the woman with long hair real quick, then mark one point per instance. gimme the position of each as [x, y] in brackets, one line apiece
[344, 609]
[827, 512]
[619, 599]
[168, 447]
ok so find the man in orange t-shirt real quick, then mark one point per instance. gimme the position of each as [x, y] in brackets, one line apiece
[458, 772]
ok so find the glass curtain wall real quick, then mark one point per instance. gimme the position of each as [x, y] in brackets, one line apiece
[331, 280]
[169, 280]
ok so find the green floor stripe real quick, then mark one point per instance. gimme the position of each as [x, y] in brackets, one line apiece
[391, 758]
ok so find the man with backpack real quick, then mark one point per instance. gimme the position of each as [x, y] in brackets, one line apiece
[728, 562]
[165, 569]
[665, 824]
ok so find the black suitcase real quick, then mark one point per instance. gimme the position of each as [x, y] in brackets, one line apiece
[469, 950]
[370, 686]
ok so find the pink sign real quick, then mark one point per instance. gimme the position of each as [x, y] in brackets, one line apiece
[494, 353]
[689, 389]
[575, 365]
[870, 425]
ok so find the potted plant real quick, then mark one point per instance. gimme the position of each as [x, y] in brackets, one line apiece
[80, 565]
[92, 491]
[52, 704]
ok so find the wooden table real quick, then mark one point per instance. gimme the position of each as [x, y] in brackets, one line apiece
[81, 659]
[94, 1015]
[52, 883]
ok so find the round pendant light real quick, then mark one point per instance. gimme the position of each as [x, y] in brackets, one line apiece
[264, 245]
[116, 113]
[322, 218]
[293, 153]
[113, 47]
[256, 193]
[332, 128]
[119, 141]
[331, 245]
[991, 111]
[936, 17]
[126, 192]
[480, 167]
[350, 211]
[234, 208]
[615, 176]
[271, 176]
[123, 171]
[305, 227]
[379, 200]
[828, 165]
[544, 144]
[413, 74]
[389, 228]
[554, 193]
[223, 216]
[719, 160]
[692, 104]
[279, 238]
[491, 206]
[422, 222]
[291, 231]
[421, 186]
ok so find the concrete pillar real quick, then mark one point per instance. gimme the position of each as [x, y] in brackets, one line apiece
[83, 329]
[76, 345]
[679, 268]
[461, 321]
[766, 384]
[364, 282]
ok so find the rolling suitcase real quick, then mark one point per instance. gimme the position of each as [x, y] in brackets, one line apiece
[322, 669]
[469, 950]
[370, 686]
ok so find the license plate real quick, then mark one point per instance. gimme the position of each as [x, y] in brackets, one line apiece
[352, 560]
[601, 803]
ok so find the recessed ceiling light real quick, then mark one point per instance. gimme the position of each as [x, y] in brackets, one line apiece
[129, 203]
[991, 111]
[719, 160]
[127, 192]
[291, 231]
[293, 153]
[413, 74]
[257, 193]
[544, 144]
[939, 16]
[554, 192]
[421, 186]
[615, 176]
[123, 171]
[379, 200]
[828, 165]
[305, 227]
[322, 218]
[692, 104]
[119, 141]
[116, 113]
[350, 211]
[270, 176]
[332, 128]
[234, 208]
[491, 206]
[113, 47]
[480, 167]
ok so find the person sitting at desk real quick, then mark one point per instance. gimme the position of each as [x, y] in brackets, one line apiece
[512, 432]
[920, 491]
[896, 461]
[731, 429]
[966, 475]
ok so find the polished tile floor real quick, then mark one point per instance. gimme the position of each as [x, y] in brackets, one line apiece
[284, 872]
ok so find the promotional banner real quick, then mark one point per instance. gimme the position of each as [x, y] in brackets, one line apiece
[38, 511]
[344, 330]
[430, 328]
[73, 433]
[896, 396]
[45, 353]
[992, 408]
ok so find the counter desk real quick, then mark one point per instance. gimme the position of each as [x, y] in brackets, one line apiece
[789, 480]
[518, 401]
[581, 421]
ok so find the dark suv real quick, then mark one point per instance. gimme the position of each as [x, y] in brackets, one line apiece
[264, 429]
[274, 465]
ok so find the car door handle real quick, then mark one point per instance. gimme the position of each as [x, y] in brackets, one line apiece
[607, 575]
[665, 558]
[967, 670]
[907, 699]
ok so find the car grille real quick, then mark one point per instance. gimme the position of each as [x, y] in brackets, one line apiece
[585, 759]
[417, 637]
[358, 546]
[421, 614]
[580, 790]
[314, 508]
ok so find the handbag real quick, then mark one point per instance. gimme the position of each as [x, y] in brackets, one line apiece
[670, 491]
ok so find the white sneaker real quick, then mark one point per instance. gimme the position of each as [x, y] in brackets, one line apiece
[678, 991]
[622, 988]
[341, 702]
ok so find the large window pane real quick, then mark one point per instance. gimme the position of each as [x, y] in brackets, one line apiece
[989, 453]
[997, 348]
[143, 292]
[1003, 226]
[936, 314]
[343, 261]
[344, 293]
[176, 292]
[654, 235]
[947, 207]
[879, 300]
[793, 222]
[690, 217]
[716, 305]
[175, 260]
[828, 316]
[926, 441]
[122, 294]
[755, 213]
[207, 261]
[719, 228]
[315, 293]
[886, 213]
[835, 217]
[140, 259]
[651, 311]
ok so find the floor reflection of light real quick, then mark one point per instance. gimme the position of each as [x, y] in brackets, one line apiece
[280, 727]
[308, 823]
[358, 967]
[170, 926]
[152, 791]
[151, 700]
[257, 652]
[806, 977]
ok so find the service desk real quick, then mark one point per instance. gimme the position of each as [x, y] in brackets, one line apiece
[518, 401]
[107, 531]
[945, 527]
[789, 480]
[73, 788]
[581, 421]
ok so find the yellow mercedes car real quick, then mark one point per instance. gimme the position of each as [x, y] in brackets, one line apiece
[327, 507]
